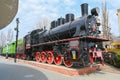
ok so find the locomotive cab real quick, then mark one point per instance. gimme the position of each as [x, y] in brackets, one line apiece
[27, 46]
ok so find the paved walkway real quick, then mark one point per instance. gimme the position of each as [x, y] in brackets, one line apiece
[98, 75]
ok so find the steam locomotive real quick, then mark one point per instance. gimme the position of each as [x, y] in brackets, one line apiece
[69, 41]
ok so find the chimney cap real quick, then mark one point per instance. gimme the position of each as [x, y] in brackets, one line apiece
[84, 9]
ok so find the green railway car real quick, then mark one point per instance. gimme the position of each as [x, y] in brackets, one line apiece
[12, 47]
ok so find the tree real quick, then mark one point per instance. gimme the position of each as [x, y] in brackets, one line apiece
[105, 23]
[3, 39]
[43, 23]
[10, 35]
[6, 38]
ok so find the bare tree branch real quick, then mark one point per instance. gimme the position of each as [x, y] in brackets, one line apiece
[105, 21]
[3, 39]
[43, 23]
[10, 35]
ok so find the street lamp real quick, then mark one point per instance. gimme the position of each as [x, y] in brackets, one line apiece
[16, 29]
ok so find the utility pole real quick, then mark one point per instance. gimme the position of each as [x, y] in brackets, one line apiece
[17, 22]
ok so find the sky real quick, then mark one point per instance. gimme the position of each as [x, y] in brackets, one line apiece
[30, 12]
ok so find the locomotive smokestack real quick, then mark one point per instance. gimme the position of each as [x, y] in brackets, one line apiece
[84, 9]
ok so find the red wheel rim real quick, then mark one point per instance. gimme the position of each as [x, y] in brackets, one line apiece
[43, 57]
[58, 59]
[50, 57]
[67, 63]
[17, 56]
[23, 56]
[37, 57]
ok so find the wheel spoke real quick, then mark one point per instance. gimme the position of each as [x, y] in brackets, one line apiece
[50, 57]
[43, 57]
[57, 59]
[18, 56]
[37, 57]
[67, 62]
[23, 56]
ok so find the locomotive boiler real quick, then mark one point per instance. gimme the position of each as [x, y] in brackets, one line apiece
[86, 25]
[69, 40]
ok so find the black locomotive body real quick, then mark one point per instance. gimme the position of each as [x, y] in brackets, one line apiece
[71, 41]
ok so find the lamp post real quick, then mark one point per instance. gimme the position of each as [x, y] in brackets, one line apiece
[17, 22]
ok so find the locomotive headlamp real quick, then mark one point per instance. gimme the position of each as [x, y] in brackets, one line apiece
[95, 11]
[96, 45]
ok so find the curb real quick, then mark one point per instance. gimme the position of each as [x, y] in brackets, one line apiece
[61, 69]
